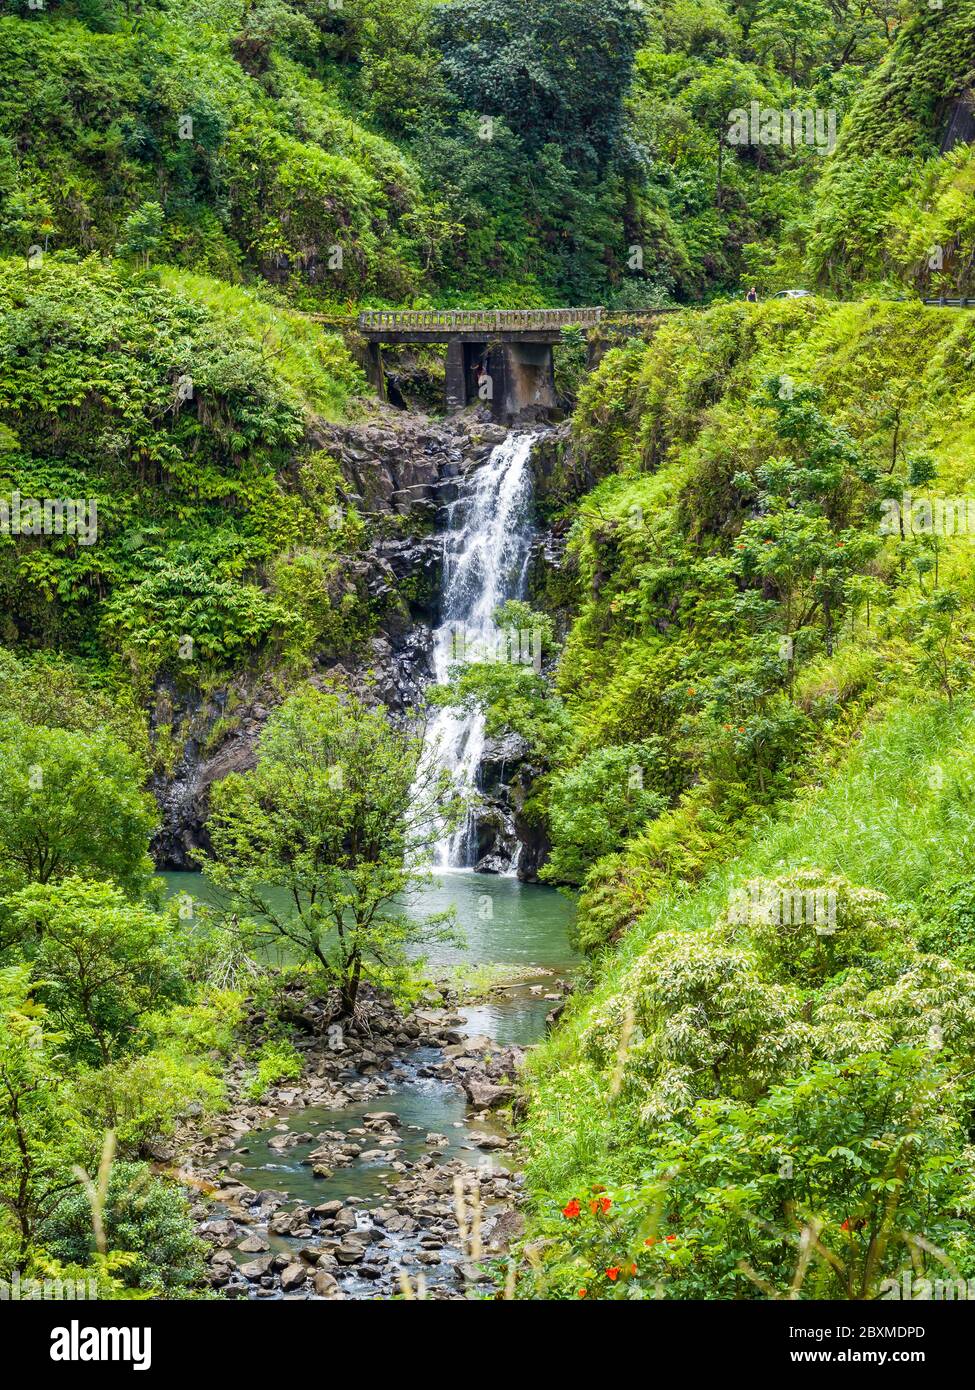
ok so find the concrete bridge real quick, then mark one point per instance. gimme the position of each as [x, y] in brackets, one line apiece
[502, 357]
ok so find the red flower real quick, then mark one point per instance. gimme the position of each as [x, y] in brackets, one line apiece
[671, 1239]
[602, 1204]
[581, 1293]
[633, 1269]
[612, 1272]
[572, 1210]
[845, 1226]
[650, 1240]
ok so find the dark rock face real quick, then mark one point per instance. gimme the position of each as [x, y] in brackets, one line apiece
[505, 836]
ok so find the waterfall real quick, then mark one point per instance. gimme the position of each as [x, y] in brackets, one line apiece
[486, 548]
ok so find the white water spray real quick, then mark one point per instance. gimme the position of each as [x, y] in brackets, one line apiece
[486, 549]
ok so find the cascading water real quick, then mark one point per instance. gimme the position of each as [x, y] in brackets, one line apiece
[486, 550]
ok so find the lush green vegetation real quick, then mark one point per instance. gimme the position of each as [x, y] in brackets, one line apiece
[764, 793]
[492, 150]
[319, 846]
[754, 714]
[119, 1018]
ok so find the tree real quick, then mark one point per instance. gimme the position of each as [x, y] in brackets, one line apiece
[599, 803]
[71, 803]
[557, 71]
[331, 828]
[722, 88]
[143, 232]
[38, 1134]
[794, 32]
[102, 961]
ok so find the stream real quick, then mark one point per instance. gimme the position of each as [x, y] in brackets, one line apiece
[408, 1120]
[526, 927]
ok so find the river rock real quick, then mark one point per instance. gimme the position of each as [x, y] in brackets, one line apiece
[489, 1142]
[509, 1226]
[326, 1285]
[485, 1094]
[293, 1276]
[220, 1232]
[253, 1244]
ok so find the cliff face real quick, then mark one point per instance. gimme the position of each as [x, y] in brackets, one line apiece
[400, 472]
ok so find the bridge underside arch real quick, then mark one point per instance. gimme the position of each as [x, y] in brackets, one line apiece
[516, 379]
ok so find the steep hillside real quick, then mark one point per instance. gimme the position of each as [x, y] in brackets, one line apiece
[179, 413]
[895, 201]
[764, 705]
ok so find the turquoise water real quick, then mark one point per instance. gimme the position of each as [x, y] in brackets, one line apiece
[500, 921]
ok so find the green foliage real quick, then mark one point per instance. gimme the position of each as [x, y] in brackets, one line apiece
[831, 1187]
[596, 806]
[341, 815]
[277, 1061]
[579, 65]
[187, 445]
[70, 803]
[890, 207]
[710, 1003]
[140, 1097]
[143, 1216]
[102, 963]
[40, 1133]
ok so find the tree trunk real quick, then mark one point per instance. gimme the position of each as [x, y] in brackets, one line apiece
[350, 989]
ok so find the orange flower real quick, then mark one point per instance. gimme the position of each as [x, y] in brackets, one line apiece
[633, 1269]
[572, 1209]
[612, 1272]
[602, 1204]
[671, 1239]
[581, 1293]
[650, 1240]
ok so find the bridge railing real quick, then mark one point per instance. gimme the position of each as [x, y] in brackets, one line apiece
[474, 320]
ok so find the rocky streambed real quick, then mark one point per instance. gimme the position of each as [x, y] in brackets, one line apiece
[389, 1160]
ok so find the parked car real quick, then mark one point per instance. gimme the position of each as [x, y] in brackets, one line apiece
[792, 294]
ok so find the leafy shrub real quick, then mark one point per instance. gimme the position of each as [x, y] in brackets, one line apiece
[144, 1216]
[277, 1061]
